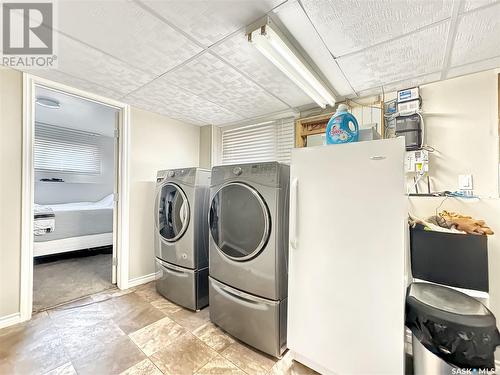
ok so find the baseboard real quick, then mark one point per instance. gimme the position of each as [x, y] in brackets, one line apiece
[9, 320]
[141, 280]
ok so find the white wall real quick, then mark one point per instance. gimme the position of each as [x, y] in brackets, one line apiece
[156, 143]
[206, 146]
[10, 189]
[78, 187]
[461, 119]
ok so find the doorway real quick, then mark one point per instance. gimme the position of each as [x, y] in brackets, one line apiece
[74, 240]
[74, 157]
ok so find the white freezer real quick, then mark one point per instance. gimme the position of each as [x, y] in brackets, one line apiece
[347, 288]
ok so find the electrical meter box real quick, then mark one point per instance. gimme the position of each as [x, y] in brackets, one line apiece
[408, 94]
[411, 128]
[408, 100]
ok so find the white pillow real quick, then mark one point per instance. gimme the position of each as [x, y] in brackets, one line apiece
[107, 201]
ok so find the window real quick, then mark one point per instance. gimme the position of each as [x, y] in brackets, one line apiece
[66, 150]
[273, 140]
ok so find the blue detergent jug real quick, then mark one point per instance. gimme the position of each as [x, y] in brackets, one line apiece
[342, 127]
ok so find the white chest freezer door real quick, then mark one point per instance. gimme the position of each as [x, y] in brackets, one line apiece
[347, 257]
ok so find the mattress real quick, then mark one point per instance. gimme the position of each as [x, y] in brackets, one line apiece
[80, 219]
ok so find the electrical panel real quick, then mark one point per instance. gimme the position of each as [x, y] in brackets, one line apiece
[417, 161]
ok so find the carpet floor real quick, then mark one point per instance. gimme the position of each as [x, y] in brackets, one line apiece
[65, 277]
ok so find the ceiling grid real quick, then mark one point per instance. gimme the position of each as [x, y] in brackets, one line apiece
[194, 64]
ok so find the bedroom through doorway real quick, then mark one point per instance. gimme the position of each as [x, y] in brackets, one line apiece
[75, 182]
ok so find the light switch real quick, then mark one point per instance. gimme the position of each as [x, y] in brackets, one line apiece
[465, 182]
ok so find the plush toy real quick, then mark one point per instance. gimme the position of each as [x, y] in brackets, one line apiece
[465, 223]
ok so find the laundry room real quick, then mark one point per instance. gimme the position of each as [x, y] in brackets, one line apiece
[250, 187]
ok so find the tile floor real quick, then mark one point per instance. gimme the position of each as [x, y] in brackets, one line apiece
[135, 331]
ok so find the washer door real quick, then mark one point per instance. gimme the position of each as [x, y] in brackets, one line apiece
[173, 212]
[239, 221]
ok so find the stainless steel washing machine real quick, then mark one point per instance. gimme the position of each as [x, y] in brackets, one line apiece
[248, 247]
[181, 236]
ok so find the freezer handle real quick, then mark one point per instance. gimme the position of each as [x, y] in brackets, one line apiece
[294, 192]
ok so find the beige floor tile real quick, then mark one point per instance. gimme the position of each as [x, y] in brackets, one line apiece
[287, 366]
[184, 356]
[32, 347]
[191, 320]
[86, 339]
[111, 293]
[166, 306]
[85, 312]
[213, 336]
[131, 313]
[114, 358]
[157, 336]
[148, 292]
[249, 360]
[144, 367]
[66, 369]
[220, 366]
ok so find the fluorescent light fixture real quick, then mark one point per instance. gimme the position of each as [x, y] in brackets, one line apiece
[48, 103]
[277, 50]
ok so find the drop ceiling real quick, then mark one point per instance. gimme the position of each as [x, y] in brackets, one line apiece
[189, 60]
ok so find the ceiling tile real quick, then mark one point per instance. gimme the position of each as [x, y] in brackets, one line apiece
[474, 4]
[210, 21]
[78, 83]
[296, 22]
[477, 36]
[161, 97]
[210, 78]
[369, 92]
[126, 31]
[412, 82]
[474, 67]
[410, 56]
[245, 57]
[88, 64]
[350, 25]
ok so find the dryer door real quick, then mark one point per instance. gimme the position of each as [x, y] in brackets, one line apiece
[239, 221]
[173, 212]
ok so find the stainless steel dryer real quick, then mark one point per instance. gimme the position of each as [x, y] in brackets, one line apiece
[248, 246]
[181, 236]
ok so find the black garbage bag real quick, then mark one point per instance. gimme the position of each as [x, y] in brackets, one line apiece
[461, 334]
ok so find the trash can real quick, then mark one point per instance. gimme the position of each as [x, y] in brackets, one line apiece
[451, 330]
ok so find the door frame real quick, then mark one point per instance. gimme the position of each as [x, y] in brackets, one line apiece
[120, 236]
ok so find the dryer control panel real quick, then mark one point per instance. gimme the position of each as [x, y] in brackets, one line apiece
[267, 173]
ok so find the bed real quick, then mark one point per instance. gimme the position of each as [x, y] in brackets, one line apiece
[74, 226]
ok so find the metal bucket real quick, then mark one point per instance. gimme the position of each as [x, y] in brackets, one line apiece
[427, 363]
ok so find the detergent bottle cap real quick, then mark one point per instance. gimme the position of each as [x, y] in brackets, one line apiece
[342, 108]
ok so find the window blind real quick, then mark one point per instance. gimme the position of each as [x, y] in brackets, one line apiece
[66, 150]
[253, 143]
